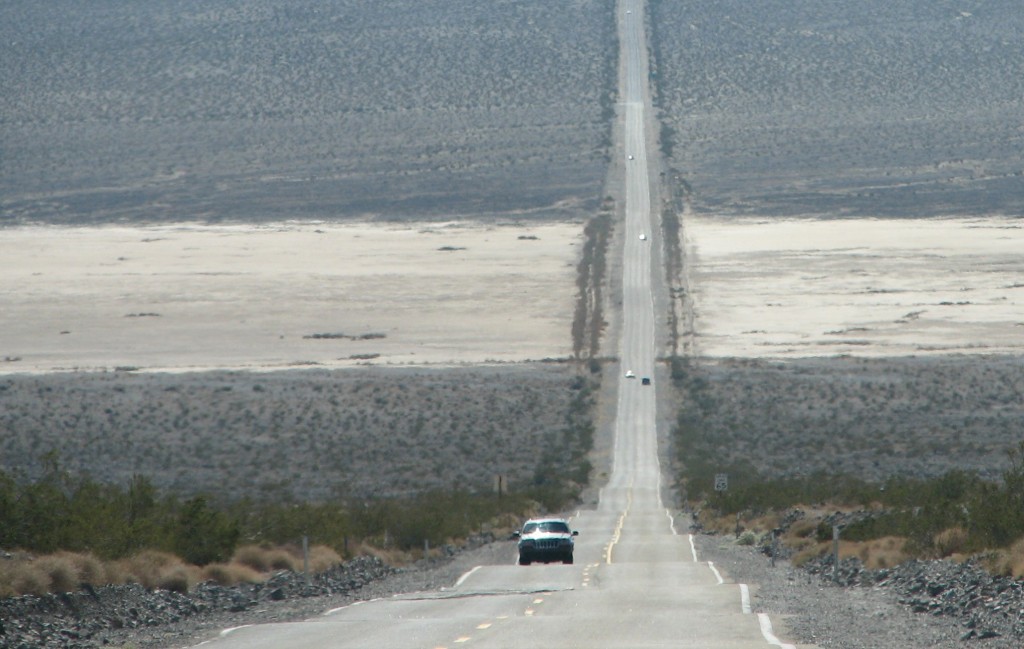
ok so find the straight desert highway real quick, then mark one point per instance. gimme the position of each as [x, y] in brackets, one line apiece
[636, 583]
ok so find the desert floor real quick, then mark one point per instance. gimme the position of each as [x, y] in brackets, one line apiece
[885, 287]
[879, 322]
[191, 297]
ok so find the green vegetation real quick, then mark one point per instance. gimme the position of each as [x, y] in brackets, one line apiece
[953, 511]
[588, 319]
[62, 514]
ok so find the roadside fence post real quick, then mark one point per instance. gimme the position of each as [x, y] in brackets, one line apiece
[305, 558]
[775, 544]
[835, 553]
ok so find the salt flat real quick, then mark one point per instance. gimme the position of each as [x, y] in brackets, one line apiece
[865, 287]
[191, 297]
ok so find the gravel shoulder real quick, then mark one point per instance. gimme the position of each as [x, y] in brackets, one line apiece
[807, 608]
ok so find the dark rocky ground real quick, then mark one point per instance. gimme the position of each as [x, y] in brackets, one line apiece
[141, 111]
[915, 606]
[293, 434]
[886, 108]
[913, 417]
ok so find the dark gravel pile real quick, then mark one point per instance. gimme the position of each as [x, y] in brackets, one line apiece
[157, 619]
[917, 605]
[983, 605]
[111, 614]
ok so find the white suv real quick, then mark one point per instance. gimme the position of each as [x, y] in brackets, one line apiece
[545, 539]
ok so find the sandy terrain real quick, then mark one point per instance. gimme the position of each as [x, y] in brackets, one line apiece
[789, 288]
[191, 297]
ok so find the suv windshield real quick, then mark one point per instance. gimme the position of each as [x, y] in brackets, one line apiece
[547, 526]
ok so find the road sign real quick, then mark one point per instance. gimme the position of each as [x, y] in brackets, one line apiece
[721, 481]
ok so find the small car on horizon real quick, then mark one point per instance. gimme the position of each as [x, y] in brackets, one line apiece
[630, 374]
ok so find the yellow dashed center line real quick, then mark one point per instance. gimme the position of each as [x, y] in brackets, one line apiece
[485, 625]
[618, 527]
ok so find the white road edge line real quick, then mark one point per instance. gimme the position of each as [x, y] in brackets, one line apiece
[745, 599]
[342, 608]
[718, 575]
[234, 628]
[769, 636]
[693, 548]
[466, 576]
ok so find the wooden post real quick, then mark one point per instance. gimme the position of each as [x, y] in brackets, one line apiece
[835, 553]
[305, 558]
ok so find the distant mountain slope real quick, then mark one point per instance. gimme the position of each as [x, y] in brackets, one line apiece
[879, 108]
[142, 110]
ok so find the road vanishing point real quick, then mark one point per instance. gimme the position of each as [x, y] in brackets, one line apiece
[637, 581]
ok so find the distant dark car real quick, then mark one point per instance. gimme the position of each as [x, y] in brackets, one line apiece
[545, 539]
[645, 381]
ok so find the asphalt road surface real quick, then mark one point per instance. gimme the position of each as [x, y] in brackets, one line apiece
[636, 582]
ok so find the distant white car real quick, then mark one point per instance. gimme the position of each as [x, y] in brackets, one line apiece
[630, 374]
[630, 157]
[629, 11]
[643, 237]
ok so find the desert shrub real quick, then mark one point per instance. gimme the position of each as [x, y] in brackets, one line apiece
[997, 562]
[21, 576]
[252, 556]
[1007, 562]
[27, 579]
[149, 567]
[747, 538]
[229, 574]
[178, 580]
[323, 558]
[803, 528]
[950, 541]
[810, 553]
[882, 553]
[283, 560]
[712, 521]
[264, 558]
[60, 572]
[88, 569]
